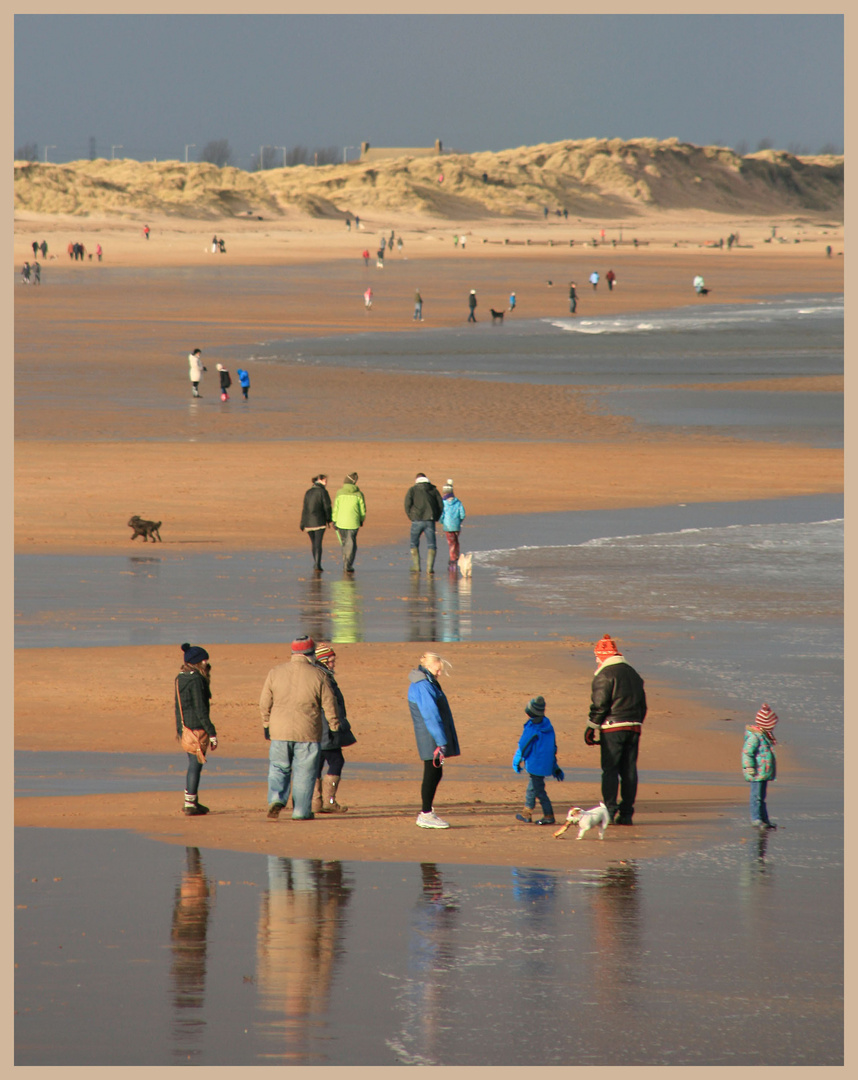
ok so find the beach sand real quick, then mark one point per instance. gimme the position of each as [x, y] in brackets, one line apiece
[81, 472]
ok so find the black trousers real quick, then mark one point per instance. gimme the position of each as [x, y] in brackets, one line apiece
[620, 770]
[316, 538]
[431, 780]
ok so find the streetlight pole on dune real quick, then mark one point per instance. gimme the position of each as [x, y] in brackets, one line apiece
[187, 148]
[47, 148]
[113, 149]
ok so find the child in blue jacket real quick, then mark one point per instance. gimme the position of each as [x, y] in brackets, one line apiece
[244, 381]
[451, 521]
[537, 751]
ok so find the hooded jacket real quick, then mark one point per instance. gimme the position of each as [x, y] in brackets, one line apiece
[292, 700]
[193, 695]
[537, 747]
[423, 502]
[758, 755]
[349, 507]
[618, 698]
[453, 514]
[431, 716]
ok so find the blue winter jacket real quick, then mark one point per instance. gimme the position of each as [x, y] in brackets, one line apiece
[453, 515]
[537, 748]
[431, 716]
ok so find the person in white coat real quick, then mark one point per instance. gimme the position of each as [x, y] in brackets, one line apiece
[195, 370]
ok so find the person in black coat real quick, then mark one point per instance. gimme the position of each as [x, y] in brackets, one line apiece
[424, 506]
[332, 742]
[316, 516]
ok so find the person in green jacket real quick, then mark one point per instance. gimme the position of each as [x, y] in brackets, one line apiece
[349, 514]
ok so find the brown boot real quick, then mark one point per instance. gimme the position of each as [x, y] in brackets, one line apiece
[316, 805]
[525, 814]
[329, 796]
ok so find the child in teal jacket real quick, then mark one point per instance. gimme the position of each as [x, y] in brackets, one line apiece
[758, 763]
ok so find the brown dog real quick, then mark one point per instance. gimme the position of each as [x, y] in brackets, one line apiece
[145, 529]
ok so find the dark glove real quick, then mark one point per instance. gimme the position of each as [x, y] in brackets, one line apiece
[267, 734]
[558, 773]
[590, 737]
[438, 756]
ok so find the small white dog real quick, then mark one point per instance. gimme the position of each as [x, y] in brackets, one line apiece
[465, 564]
[586, 820]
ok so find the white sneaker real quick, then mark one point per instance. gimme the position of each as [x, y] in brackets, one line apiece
[431, 821]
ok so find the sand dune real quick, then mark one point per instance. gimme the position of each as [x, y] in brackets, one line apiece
[593, 177]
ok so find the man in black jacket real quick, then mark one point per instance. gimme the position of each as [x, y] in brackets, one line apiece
[424, 506]
[617, 711]
[316, 516]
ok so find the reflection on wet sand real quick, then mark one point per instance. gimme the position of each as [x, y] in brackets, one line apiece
[617, 936]
[191, 910]
[430, 982]
[346, 611]
[439, 607]
[299, 938]
[315, 608]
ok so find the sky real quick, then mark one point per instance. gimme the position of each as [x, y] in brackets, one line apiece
[162, 86]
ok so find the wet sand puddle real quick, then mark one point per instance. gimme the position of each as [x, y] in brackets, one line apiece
[210, 957]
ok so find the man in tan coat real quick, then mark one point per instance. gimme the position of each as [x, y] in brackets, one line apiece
[291, 704]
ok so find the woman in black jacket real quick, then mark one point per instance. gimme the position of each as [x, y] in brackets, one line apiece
[332, 742]
[194, 729]
[316, 516]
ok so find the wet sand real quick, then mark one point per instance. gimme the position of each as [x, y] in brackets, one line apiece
[236, 482]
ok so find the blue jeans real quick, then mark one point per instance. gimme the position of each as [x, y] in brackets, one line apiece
[418, 311]
[420, 527]
[192, 779]
[536, 790]
[295, 764]
[758, 801]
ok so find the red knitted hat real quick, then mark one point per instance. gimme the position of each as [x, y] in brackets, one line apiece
[303, 646]
[766, 717]
[605, 647]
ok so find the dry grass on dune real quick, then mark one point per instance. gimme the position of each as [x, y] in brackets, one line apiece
[591, 177]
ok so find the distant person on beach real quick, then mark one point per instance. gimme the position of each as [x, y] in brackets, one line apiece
[44, 249]
[418, 306]
[243, 381]
[225, 382]
[316, 516]
[573, 298]
[828, 250]
[512, 301]
[348, 515]
[472, 305]
[434, 731]
[99, 251]
[214, 245]
[423, 506]
[35, 249]
[37, 273]
[25, 273]
[462, 242]
[758, 763]
[348, 223]
[71, 249]
[399, 244]
[699, 286]
[331, 743]
[365, 257]
[367, 299]
[145, 232]
[610, 277]
[379, 259]
[194, 728]
[452, 516]
[537, 752]
[617, 711]
[221, 245]
[594, 280]
[195, 370]
[357, 221]
[291, 704]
